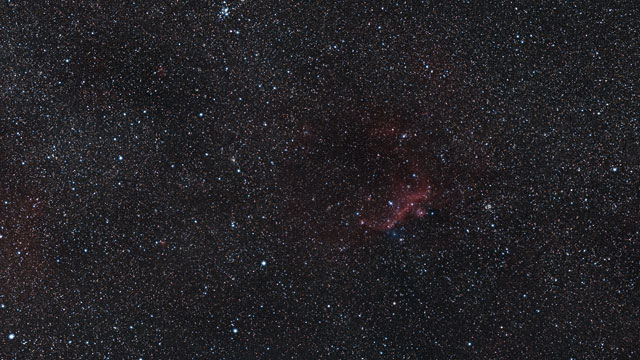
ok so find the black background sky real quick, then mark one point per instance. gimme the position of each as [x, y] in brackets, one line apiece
[319, 180]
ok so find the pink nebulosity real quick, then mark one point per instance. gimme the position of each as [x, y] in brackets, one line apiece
[406, 201]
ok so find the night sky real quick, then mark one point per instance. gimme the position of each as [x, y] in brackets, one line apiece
[249, 179]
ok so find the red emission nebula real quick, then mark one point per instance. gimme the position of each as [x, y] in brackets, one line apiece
[407, 200]
[406, 190]
[374, 172]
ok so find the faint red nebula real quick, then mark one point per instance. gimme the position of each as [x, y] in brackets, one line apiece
[406, 189]
[23, 236]
[407, 200]
[376, 170]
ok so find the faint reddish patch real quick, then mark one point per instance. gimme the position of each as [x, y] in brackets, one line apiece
[23, 233]
[161, 71]
[407, 199]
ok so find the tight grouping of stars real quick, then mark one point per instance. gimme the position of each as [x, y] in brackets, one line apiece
[319, 180]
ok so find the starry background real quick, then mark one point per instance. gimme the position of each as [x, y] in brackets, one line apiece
[191, 179]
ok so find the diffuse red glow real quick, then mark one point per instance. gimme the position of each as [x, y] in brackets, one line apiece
[405, 190]
[407, 200]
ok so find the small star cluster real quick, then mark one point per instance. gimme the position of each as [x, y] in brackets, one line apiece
[319, 180]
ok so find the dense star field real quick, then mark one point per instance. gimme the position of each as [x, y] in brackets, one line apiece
[319, 180]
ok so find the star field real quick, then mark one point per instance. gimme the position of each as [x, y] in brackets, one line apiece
[319, 180]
